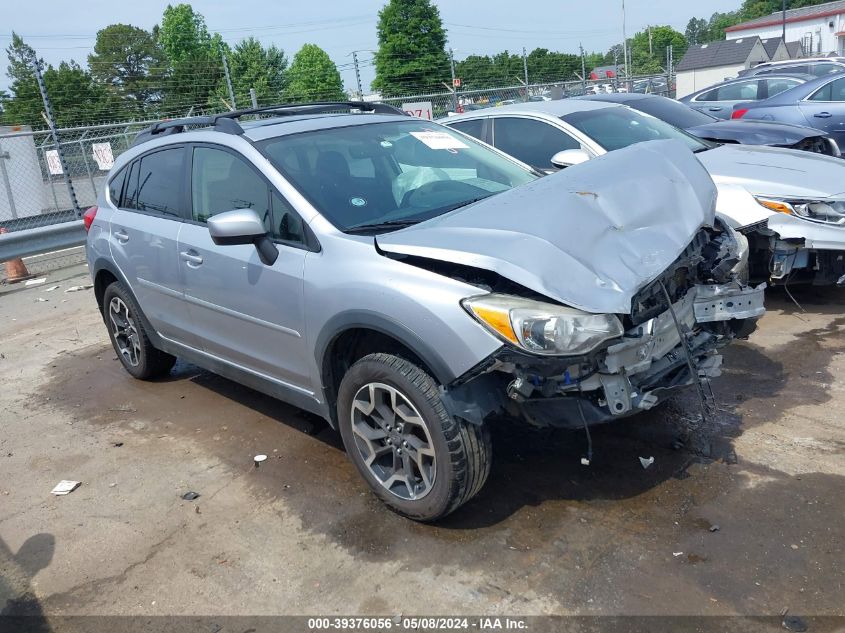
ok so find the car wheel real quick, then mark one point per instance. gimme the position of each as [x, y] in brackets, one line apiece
[417, 458]
[127, 334]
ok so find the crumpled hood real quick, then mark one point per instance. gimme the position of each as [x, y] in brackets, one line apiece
[773, 171]
[589, 236]
[755, 132]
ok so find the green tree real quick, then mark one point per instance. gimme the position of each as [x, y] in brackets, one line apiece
[253, 66]
[76, 98]
[23, 106]
[128, 61]
[313, 76]
[545, 66]
[476, 71]
[696, 31]
[194, 60]
[648, 48]
[411, 54]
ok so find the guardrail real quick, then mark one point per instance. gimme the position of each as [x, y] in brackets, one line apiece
[41, 239]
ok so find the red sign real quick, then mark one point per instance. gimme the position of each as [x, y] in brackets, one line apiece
[456, 82]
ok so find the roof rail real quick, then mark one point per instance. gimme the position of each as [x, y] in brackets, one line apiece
[227, 121]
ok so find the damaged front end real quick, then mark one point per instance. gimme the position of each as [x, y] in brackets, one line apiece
[669, 339]
[606, 292]
[804, 242]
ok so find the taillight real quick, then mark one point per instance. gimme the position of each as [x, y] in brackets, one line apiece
[739, 113]
[88, 218]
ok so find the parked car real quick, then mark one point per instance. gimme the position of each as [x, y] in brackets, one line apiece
[709, 128]
[819, 103]
[789, 204]
[816, 66]
[406, 282]
[720, 99]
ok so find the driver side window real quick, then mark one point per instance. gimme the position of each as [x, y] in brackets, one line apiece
[220, 181]
[532, 142]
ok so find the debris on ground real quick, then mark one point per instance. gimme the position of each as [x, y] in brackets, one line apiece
[792, 622]
[714, 528]
[65, 486]
[117, 444]
[78, 288]
[35, 282]
[646, 462]
[258, 459]
[40, 300]
[190, 496]
[676, 554]
[51, 288]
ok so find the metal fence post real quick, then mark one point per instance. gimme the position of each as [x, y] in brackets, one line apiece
[51, 122]
[253, 97]
[229, 82]
[454, 87]
[3, 157]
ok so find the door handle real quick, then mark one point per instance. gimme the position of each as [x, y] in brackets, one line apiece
[714, 109]
[822, 115]
[191, 257]
[122, 236]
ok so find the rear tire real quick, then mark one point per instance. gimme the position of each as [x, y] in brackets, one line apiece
[128, 336]
[419, 460]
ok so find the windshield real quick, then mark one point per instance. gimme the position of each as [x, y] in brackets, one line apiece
[672, 112]
[615, 128]
[381, 176]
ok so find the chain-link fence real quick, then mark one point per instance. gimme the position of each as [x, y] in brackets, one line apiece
[443, 103]
[33, 188]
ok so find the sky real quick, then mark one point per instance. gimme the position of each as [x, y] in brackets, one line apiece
[66, 30]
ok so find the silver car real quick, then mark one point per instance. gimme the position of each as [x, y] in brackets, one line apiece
[719, 100]
[408, 283]
[789, 203]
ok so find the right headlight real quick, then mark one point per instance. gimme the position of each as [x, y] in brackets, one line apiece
[829, 211]
[543, 328]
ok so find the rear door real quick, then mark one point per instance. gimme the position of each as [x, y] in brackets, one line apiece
[719, 102]
[143, 235]
[245, 312]
[825, 109]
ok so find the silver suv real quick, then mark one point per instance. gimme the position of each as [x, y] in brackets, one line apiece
[409, 283]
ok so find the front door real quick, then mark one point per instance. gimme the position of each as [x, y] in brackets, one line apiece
[825, 110]
[245, 312]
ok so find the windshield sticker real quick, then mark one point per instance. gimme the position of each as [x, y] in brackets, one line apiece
[357, 202]
[386, 144]
[439, 140]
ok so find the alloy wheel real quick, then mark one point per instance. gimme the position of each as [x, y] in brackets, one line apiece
[393, 440]
[125, 332]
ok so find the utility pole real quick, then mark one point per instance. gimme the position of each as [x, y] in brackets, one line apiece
[51, 122]
[454, 87]
[229, 82]
[650, 51]
[583, 66]
[253, 97]
[783, 20]
[525, 69]
[625, 43]
[357, 74]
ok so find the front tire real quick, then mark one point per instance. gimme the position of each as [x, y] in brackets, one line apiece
[129, 338]
[418, 459]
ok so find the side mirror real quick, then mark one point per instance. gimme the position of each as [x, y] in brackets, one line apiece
[569, 157]
[243, 226]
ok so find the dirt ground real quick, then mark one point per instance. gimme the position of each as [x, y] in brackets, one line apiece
[742, 514]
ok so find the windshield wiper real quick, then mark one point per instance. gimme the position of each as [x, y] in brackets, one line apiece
[380, 226]
[464, 203]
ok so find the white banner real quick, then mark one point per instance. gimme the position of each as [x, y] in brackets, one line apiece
[103, 155]
[419, 109]
[54, 165]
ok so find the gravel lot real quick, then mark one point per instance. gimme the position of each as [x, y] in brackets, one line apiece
[742, 514]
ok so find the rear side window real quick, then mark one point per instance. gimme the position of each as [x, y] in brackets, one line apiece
[820, 70]
[532, 142]
[776, 86]
[834, 91]
[743, 91]
[155, 183]
[473, 128]
[116, 187]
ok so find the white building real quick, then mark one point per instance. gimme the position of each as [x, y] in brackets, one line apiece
[707, 64]
[820, 28]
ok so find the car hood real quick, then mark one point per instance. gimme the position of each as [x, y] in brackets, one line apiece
[755, 132]
[773, 171]
[589, 236]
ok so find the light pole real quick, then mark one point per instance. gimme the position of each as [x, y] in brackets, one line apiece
[357, 71]
[625, 44]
